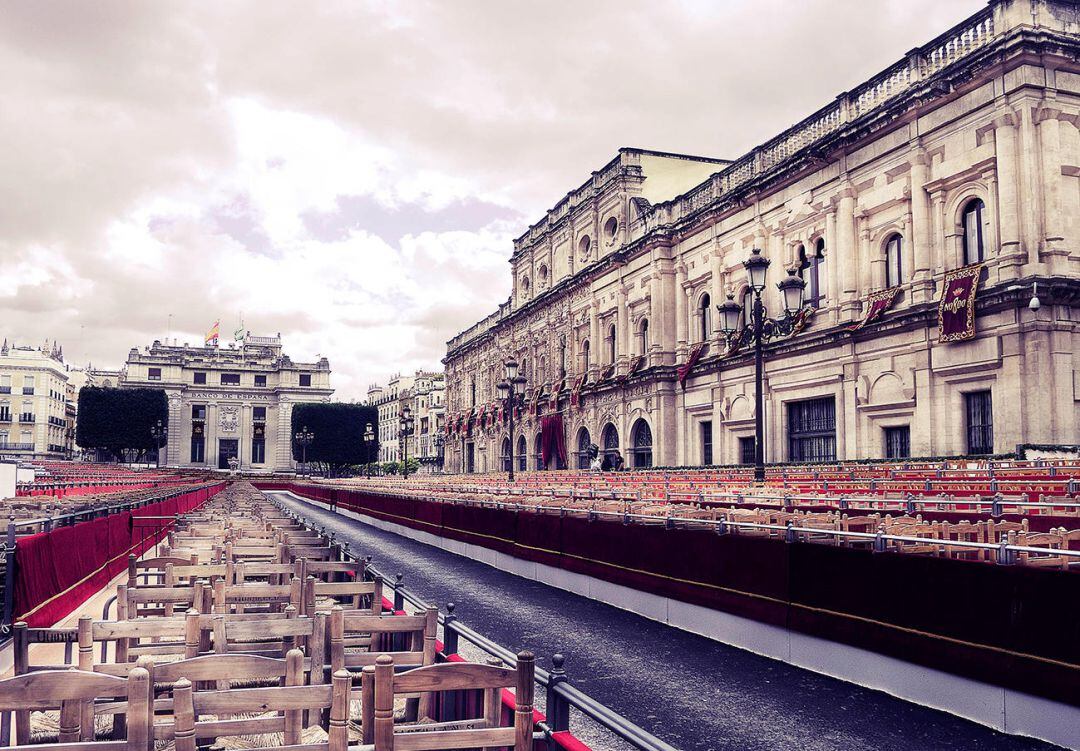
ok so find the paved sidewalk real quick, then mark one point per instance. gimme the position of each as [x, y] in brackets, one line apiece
[694, 693]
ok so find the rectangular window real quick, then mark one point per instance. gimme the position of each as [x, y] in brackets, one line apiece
[258, 414]
[706, 442]
[198, 411]
[230, 379]
[153, 374]
[260, 380]
[980, 422]
[258, 451]
[200, 378]
[305, 379]
[812, 430]
[197, 450]
[898, 442]
[746, 450]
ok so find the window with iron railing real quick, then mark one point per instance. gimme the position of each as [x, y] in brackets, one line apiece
[812, 430]
[980, 422]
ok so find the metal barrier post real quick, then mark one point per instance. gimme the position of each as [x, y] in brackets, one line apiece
[450, 634]
[558, 708]
[399, 598]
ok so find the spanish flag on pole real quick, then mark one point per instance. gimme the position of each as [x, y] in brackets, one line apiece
[213, 334]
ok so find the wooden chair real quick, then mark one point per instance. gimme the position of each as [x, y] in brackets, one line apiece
[355, 595]
[291, 700]
[72, 692]
[272, 598]
[140, 602]
[274, 637]
[151, 567]
[483, 732]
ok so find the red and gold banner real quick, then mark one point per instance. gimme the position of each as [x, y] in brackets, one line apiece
[684, 370]
[956, 309]
[876, 305]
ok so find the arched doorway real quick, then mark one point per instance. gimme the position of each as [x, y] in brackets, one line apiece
[584, 440]
[538, 460]
[522, 453]
[506, 454]
[609, 442]
[641, 444]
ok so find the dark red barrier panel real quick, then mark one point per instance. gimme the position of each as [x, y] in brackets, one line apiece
[57, 571]
[1014, 626]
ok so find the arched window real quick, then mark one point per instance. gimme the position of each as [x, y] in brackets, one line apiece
[506, 454]
[542, 278]
[538, 460]
[585, 357]
[610, 439]
[584, 440]
[643, 336]
[584, 245]
[974, 247]
[611, 229]
[522, 451]
[611, 344]
[812, 271]
[541, 370]
[894, 269]
[705, 306]
[525, 286]
[641, 437]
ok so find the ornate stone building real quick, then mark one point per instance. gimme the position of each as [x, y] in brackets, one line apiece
[965, 154]
[34, 409]
[226, 402]
[425, 394]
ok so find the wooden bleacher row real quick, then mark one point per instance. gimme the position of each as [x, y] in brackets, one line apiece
[247, 629]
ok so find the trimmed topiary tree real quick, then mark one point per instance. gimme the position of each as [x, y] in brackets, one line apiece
[338, 431]
[118, 420]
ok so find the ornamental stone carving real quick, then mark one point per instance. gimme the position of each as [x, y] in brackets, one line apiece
[229, 420]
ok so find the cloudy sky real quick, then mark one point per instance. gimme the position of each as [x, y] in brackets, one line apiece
[351, 174]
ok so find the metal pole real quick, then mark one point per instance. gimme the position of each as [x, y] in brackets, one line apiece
[759, 400]
[405, 451]
[510, 403]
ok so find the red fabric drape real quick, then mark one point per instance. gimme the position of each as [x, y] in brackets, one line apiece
[57, 571]
[552, 440]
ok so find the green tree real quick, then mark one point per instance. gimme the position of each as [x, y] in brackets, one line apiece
[118, 420]
[338, 431]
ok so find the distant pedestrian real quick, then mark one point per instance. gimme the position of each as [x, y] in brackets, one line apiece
[605, 466]
[617, 462]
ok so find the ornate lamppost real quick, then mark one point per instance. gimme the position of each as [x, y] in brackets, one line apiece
[369, 441]
[160, 433]
[760, 330]
[406, 429]
[303, 439]
[440, 450]
[511, 390]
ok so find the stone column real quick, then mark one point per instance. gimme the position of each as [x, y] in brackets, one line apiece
[212, 418]
[670, 293]
[596, 347]
[656, 316]
[174, 454]
[283, 446]
[680, 312]
[1053, 229]
[846, 253]
[1011, 255]
[622, 329]
[921, 236]
[718, 298]
[832, 272]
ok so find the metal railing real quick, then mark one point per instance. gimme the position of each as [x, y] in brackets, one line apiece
[561, 694]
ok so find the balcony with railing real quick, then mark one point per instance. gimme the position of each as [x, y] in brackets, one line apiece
[5, 446]
[26, 417]
[5, 389]
[28, 390]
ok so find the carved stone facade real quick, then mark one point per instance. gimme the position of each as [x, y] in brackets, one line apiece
[965, 151]
[232, 401]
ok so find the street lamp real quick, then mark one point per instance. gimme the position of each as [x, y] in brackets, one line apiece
[369, 441]
[406, 426]
[761, 330]
[511, 390]
[440, 450]
[303, 440]
[160, 433]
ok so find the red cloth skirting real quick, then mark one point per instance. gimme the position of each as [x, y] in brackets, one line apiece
[57, 571]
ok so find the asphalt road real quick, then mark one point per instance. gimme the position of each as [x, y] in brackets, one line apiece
[694, 693]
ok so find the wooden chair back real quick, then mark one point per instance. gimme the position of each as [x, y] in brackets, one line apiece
[484, 732]
[292, 701]
[73, 692]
